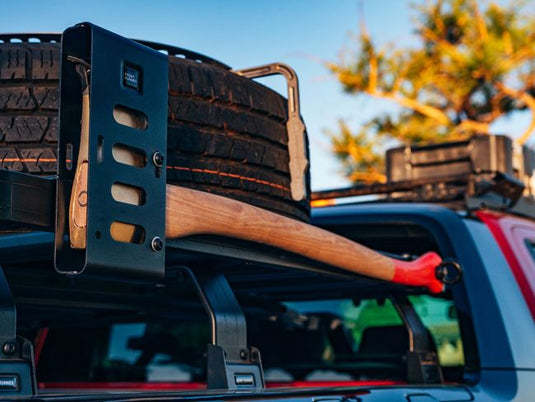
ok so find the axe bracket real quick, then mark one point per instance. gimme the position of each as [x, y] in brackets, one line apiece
[109, 189]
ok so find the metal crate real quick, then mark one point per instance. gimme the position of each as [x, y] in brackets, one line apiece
[482, 155]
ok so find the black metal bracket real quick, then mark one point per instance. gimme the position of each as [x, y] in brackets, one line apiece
[126, 145]
[231, 363]
[26, 200]
[422, 362]
[501, 192]
[17, 367]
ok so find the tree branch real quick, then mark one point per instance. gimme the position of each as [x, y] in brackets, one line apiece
[429, 111]
[372, 80]
[529, 101]
[474, 126]
[352, 80]
[368, 177]
[481, 25]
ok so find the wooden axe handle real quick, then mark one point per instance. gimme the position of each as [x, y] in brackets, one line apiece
[192, 212]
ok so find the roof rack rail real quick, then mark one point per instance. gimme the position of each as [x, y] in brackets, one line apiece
[483, 171]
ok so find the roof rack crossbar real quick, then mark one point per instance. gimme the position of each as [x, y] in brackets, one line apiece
[387, 188]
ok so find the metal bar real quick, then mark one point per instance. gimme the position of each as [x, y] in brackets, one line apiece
[244, 251]
[229, 328]
[386, 188]
[8, 315]
[231, 363]
[418, 337]
[294, 125]
[27, 200]
[422, 360]
[17, 367]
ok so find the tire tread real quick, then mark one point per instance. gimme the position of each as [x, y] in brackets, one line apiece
[226, 134]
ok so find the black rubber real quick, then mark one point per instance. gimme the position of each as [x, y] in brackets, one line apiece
[226, 134]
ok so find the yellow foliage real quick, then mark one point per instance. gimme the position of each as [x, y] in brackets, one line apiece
[450, 88]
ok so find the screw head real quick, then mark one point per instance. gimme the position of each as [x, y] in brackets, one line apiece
[243, 354]
[9, 348]
[156, 244]
[158, 159]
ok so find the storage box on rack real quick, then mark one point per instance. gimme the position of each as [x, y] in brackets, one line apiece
[484, 155]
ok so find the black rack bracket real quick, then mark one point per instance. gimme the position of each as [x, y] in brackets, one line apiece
[111, 154]
[422, 361]
[232, 364]
[17, 367]
[26, 200]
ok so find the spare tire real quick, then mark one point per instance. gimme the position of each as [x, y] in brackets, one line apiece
[226, 134]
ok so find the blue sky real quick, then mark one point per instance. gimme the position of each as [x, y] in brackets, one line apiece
[245, 33]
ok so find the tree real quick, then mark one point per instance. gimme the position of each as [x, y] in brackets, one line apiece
[472, 66]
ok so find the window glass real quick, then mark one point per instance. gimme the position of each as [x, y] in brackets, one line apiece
[125, 345]
[125, 352]
[166, 352]
[364, 339]
[375, 334]
[531, 247]
[119, 337]
[440, 318]
[356, 317]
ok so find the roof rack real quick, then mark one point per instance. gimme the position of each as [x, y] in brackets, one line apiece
[483, 171]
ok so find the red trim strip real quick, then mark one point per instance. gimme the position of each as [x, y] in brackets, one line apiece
[304, 384]
[492, 219]
[178, 386]
[39, 342]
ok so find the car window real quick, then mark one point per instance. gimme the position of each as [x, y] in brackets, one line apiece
[124, 348]
[119, 337]
[530, 244]
[150, 351]
[366, 338]
[440, 318]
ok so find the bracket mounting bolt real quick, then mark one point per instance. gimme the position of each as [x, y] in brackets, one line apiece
[158, 159]
[156, 244]
[9, 348]
[243, 354]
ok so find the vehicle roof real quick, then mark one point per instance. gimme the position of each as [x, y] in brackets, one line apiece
[376, 208]
[384, 208]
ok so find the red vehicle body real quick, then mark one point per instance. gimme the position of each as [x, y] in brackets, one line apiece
[516, 237]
